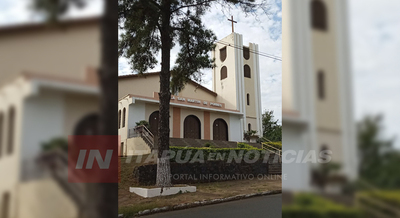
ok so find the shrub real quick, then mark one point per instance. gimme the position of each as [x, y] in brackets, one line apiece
[209, 145]
[55, 143]
[244, 145]
[248, 134]
[143, 123]
[309, 205]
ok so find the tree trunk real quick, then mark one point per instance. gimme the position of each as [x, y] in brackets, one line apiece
[102, 198]
[163, 165]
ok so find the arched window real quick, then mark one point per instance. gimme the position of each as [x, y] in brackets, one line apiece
[222, 54]
[123, 117]
[5, 206]
[1, 133]
[247, 71]
[224, 72]
[192, 127]
[119, 119]
[248, 99]
[321, 85]
[88, 125]
[319, 16]
[246, 53]
[220, 130]
[153, 122]
[11, 129]
[249, 127]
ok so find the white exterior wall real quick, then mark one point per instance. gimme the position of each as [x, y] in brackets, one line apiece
[47, 111]
[296, 176]
[235, 130]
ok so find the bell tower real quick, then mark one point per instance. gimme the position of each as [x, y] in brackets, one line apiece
[236, 79]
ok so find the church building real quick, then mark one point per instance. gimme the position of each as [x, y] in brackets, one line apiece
[225, 113]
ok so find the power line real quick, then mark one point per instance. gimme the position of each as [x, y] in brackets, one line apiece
[252, 51]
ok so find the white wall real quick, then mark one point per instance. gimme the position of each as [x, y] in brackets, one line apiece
[46, 111]
[235, 131]
[295, 176]
[137, 112]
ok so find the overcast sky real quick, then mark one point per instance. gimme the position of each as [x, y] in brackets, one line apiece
[374, 45]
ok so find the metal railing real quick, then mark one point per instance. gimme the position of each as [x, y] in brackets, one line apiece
[374, 206]
[274, 150]
[144, 133]
[56, 163]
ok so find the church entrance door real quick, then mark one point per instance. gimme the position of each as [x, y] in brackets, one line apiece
[153, 122]
[220, 130]
[192, 127]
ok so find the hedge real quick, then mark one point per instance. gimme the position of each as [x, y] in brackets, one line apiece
[309, 205]
[244, 145]
[191, 153]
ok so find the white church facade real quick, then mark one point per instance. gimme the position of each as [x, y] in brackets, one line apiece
[225, 113]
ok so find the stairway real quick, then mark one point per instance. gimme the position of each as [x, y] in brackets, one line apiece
[56, 163]
[137, 146]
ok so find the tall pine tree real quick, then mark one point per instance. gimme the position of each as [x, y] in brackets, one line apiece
[153, 26]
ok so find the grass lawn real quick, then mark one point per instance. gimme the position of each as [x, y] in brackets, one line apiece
[130, 203]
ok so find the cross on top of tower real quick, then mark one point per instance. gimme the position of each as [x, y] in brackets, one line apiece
[233, 21]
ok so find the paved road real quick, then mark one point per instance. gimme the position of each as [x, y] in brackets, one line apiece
[257, 207]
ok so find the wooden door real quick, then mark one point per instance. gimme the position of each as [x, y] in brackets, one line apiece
[192, 127]
[220, 130]
[153, 122]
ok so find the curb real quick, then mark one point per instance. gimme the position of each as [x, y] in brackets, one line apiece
[203, 203]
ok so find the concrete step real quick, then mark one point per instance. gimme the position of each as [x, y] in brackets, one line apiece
[136, 146]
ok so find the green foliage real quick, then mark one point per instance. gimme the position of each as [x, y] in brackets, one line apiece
[249, 134]
[56, 143]
[309, 205]
[209, 145]
[391, 197]
[272, 130]
[378, 160]
[151, 26]
[214, 153]
[143, 123]
[244, 145]
[54, 9]
[277, 145]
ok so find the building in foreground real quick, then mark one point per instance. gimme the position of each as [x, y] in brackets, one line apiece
[48, 90]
